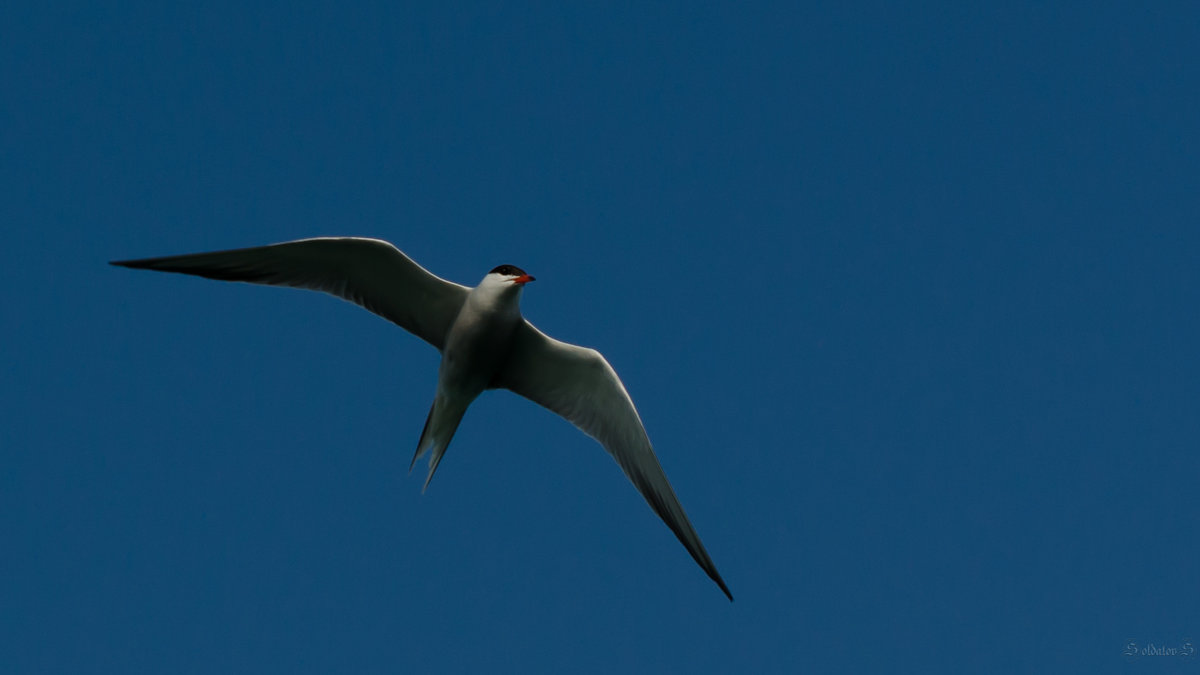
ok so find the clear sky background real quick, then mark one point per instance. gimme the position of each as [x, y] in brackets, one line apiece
[906, 296]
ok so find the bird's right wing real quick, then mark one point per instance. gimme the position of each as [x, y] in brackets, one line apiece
[368, 272]
[579, 384]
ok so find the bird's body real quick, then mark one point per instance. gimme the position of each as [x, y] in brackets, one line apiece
[481, 335]
[476, 347]
[484, 341]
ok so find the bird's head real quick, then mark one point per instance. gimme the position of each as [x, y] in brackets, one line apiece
[509, 275]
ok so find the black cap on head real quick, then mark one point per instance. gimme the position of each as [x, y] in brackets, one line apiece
[508, 270]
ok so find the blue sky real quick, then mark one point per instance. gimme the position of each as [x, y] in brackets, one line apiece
[906, 296]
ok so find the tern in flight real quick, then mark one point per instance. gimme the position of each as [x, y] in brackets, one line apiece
[484, 341]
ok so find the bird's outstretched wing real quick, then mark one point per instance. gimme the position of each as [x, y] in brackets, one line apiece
[368, 272]
[580, 385]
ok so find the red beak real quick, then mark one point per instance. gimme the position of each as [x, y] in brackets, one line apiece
[523, 279]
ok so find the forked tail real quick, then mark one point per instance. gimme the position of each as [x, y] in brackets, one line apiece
[444, 416]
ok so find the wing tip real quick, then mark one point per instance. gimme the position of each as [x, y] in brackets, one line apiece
[724, 588]
[139, 263]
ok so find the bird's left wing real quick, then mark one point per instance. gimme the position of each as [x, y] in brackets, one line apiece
[368, 272]
[579, 384]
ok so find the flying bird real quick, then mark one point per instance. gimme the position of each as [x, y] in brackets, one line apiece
[484, 341]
